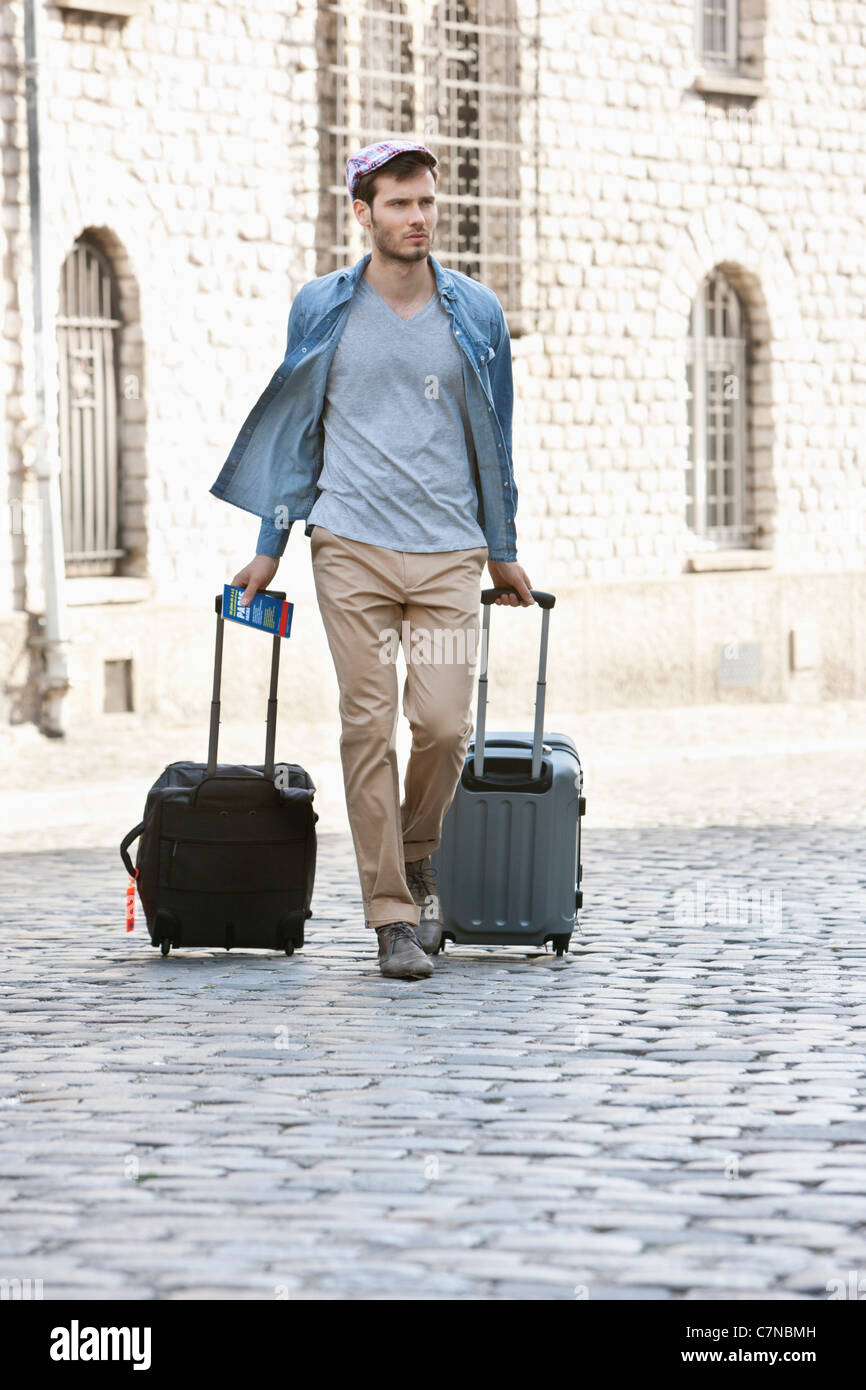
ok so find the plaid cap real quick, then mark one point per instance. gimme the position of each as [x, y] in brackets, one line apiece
[372, 156]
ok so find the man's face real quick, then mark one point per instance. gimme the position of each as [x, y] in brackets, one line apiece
[402, 219]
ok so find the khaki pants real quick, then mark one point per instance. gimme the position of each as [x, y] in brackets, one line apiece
[366, 594]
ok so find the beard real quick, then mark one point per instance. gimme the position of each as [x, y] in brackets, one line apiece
[397, 246]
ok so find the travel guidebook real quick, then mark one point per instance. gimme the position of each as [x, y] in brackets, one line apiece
[272, 615]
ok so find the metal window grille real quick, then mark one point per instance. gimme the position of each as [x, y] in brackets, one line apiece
[449, 77]
[717, 404]
[88, 409]
[717, 33]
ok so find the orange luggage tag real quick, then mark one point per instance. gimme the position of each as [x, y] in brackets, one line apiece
[130, 902]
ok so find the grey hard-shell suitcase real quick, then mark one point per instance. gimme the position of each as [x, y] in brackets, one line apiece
[227, 852]
[508, 862]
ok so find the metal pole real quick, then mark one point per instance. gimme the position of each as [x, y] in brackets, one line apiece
[55, 639]
[213, 740]
[481, 718]
[541, 687]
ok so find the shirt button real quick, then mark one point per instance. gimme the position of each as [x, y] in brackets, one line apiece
[303, 349]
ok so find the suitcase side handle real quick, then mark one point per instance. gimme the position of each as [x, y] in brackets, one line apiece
[124, 846]
[271, 722]
[545, 602]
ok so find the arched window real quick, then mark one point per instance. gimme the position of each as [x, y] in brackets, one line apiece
[87, 326]
[717, 400]
[473, 106]
[387, 78]
[451, 81]
[367, 92]
[730, 39]
[718, 22]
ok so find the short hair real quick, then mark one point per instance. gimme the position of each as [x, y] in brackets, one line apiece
[401, 166]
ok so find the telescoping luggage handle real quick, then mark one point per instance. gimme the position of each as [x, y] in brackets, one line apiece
[545, 603]
[271, 725]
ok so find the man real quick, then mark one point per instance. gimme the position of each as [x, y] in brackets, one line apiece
[387, 429]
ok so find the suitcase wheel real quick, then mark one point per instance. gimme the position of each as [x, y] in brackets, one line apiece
[290, 949]
[165, 945]
[560, 944]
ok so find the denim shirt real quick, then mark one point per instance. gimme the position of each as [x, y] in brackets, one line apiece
[275, 462]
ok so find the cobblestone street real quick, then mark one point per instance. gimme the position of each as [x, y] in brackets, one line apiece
[675, 1110]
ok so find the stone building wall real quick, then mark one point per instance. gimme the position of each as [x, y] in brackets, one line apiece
[645, 189]
[184, 141]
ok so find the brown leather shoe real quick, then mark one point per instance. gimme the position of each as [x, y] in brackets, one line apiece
[401, 955]
[421, 881]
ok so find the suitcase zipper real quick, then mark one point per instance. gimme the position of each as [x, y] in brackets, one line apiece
[281, 840]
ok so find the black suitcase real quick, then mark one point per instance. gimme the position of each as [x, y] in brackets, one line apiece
[227, 854]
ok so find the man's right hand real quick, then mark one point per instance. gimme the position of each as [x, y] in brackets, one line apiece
[256, 575]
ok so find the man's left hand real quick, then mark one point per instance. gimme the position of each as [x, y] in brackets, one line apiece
[508, 574]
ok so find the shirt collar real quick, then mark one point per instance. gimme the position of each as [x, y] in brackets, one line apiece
[349, 278]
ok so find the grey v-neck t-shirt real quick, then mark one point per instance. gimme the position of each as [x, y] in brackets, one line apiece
[398, 458]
